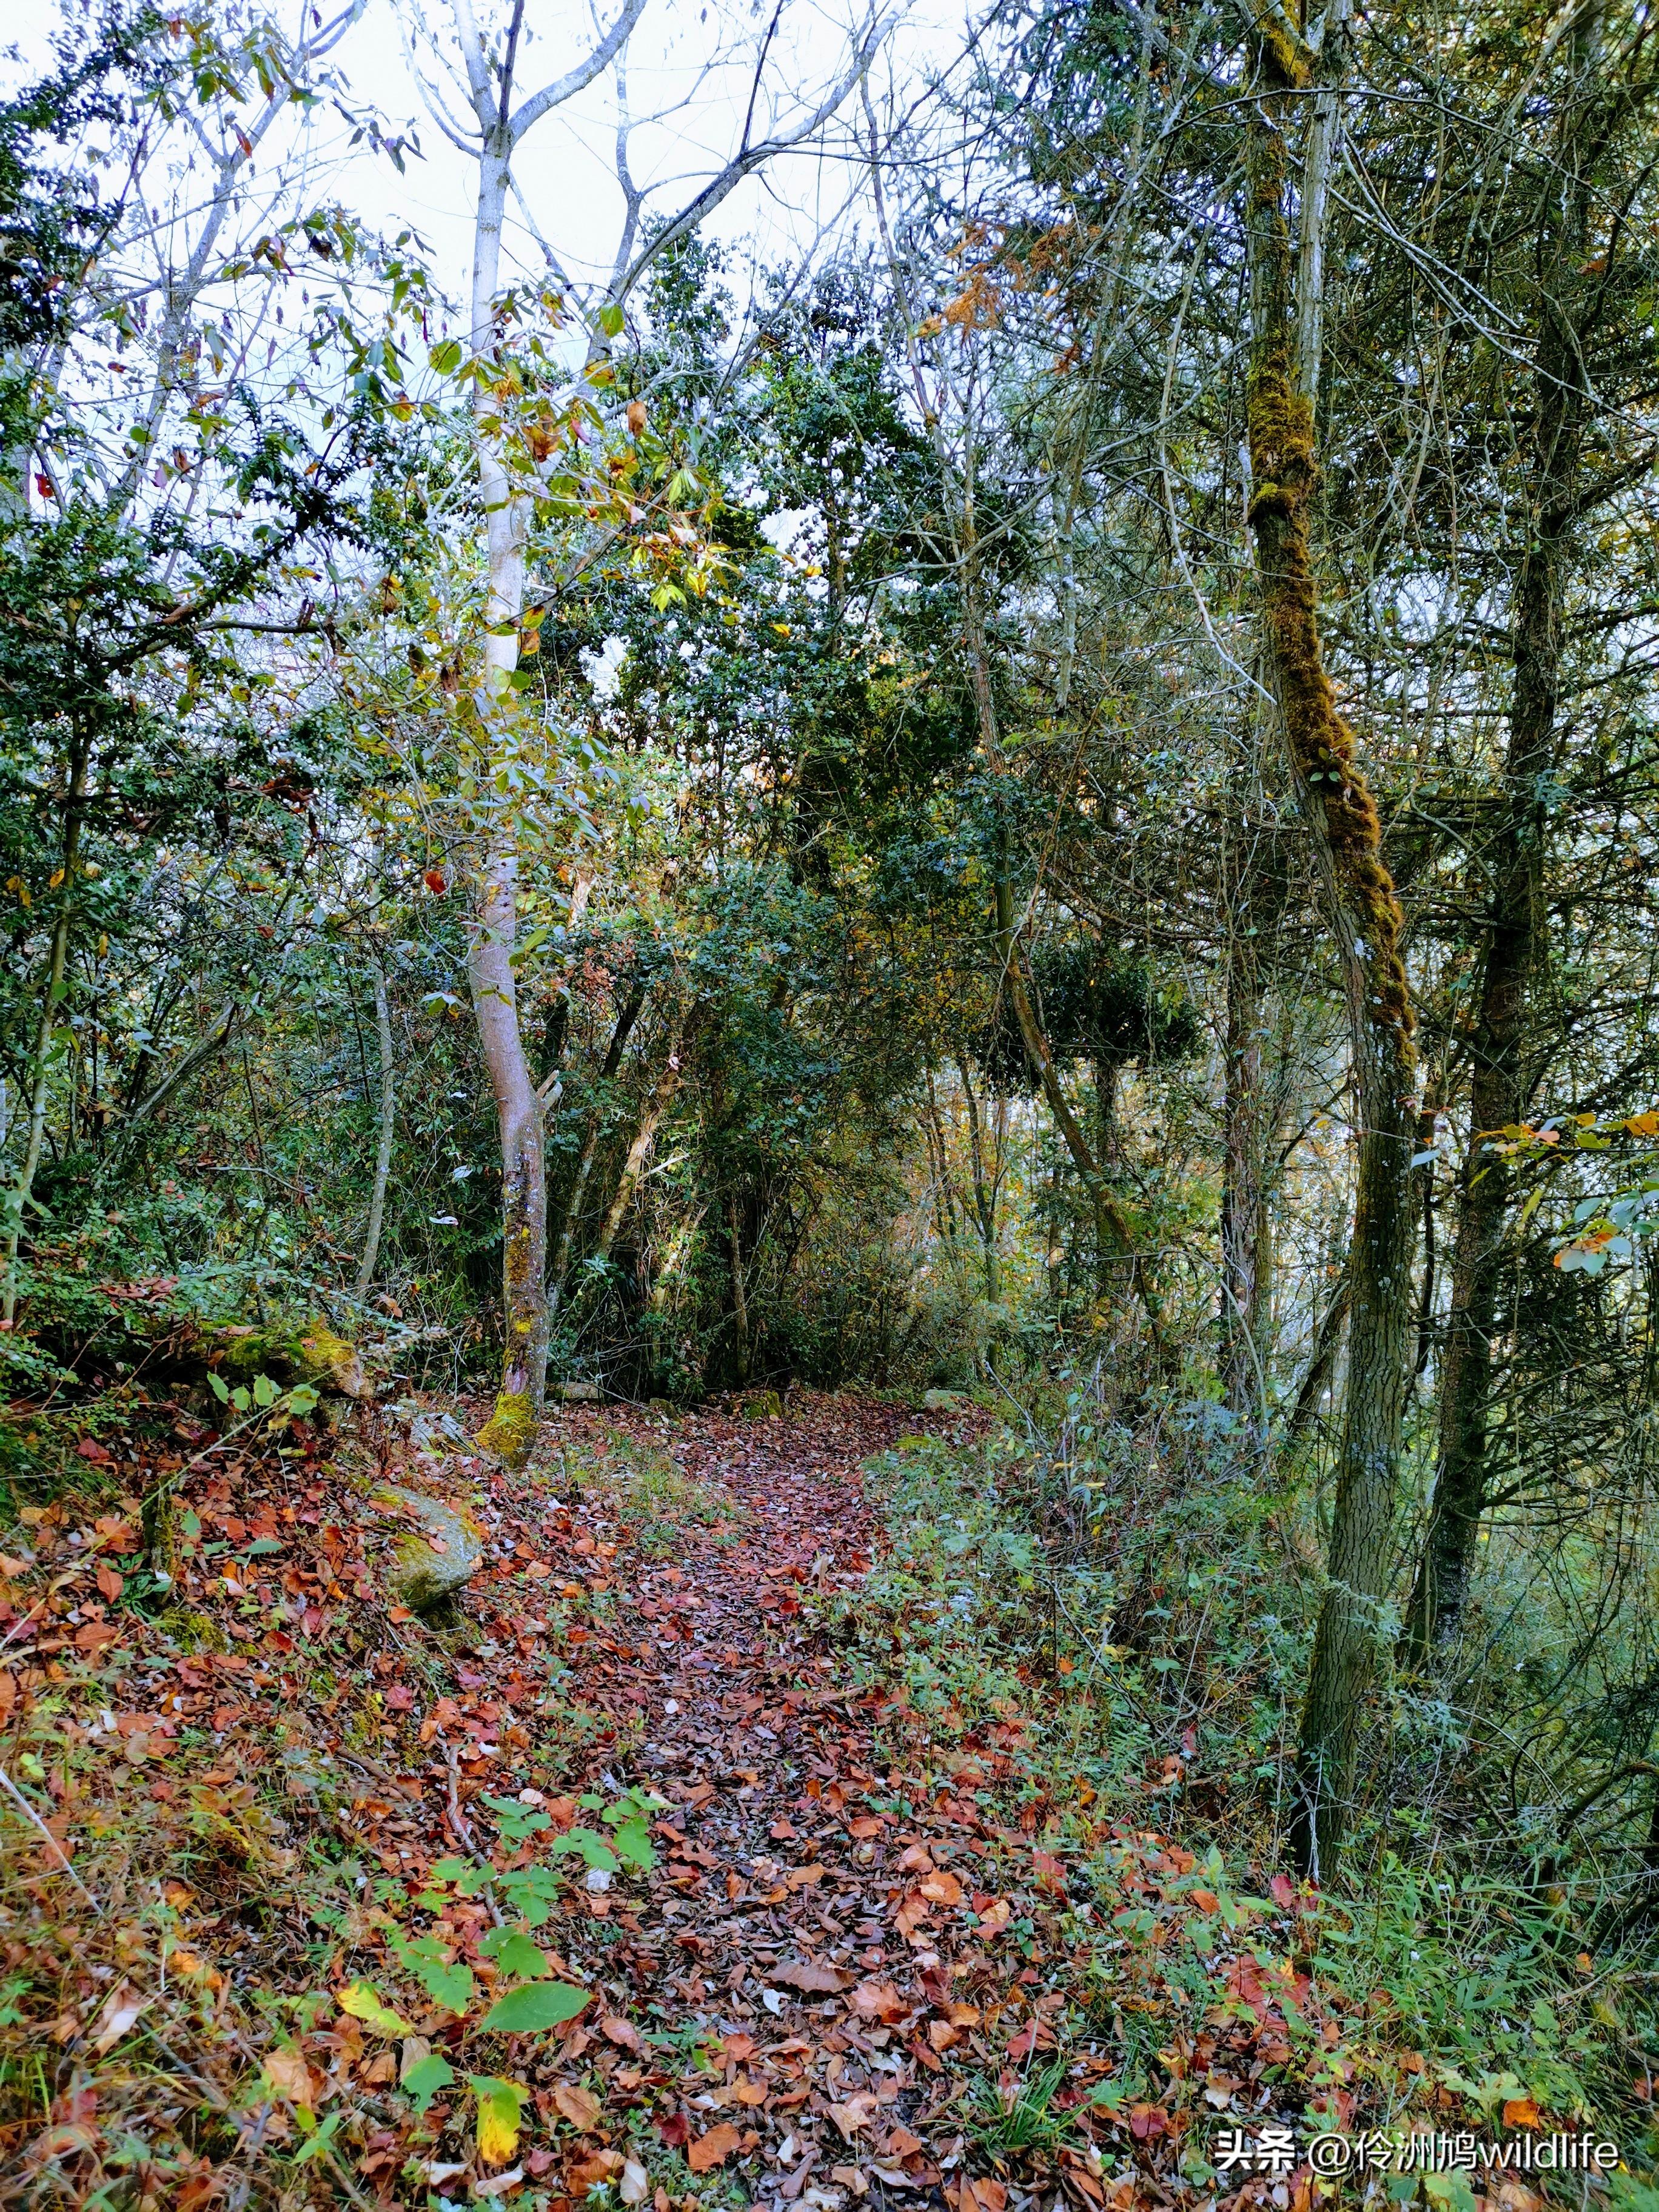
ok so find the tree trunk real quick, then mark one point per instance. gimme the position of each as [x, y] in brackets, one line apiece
[1500, 1087]
[739, 1289]
[17, 1198]
[1112, 1229]
[638, 1152]
[570, 1209]
[1365, 918]
[985, 1189]
[388, 1124]
[1245, 1244]
[510, 1431]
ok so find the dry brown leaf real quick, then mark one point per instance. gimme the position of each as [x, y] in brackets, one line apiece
[806, 1877]
[713, 2150]
[290, 2077]
[879, 2001]
[621, 2032]
[943, 1888]
[579, 2107]
[856, 2114]
[811, 1975]
[121, 2009]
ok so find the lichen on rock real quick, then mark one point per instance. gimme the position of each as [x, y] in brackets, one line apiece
[432, 1562]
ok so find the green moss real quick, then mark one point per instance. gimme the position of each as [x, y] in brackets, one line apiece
[315, 1353]
[510, 1431]
[1321, 744]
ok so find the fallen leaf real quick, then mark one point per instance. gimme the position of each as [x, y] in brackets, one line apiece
[879, 2001]
[854, 2115]
[358, 1999]
[1521, 2112]
[579, 2107]
[943, 1888]
[588, 2173]
[806, 1877]
[811, 1975]
[290, 2077]
[713, 2150]
[121, 2009]
[635, 2183]
[621, 2032]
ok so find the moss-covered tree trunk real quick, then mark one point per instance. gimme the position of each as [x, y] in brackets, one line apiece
[1365, 921]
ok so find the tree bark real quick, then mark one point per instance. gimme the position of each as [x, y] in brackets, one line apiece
[1365, 919]
[511, 1428]
[388, 1125]
[638, 1152]
[1245, 1244]
[740, 1288]
[570, 1207]
[1112, 1229]
[1500, 1086]
[17, 1198]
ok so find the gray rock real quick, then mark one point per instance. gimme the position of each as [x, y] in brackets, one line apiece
[431, 1562]
[582, 1392]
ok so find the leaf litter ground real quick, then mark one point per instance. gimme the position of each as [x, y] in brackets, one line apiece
[277, 1835]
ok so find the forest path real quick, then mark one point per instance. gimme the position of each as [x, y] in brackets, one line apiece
[812, 1934]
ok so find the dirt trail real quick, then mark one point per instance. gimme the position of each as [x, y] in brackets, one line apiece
[817, 1932]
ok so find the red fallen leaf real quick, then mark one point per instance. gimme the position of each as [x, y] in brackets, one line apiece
[622, 2033]
[1036, 2035]
[713, 2150]
[1148, 2121]
[90, 1448]
[676, 2129]
[901, 2144]
[400, 1698]
[435, 880]
[1050, 1873]
[109, 1583]
[866, 1830]
[1207, 1901]
[1282, 1891]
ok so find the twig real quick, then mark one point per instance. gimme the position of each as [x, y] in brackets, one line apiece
[51, 1842]
[459, 1826]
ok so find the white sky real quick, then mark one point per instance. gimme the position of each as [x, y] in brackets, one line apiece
[688, 63]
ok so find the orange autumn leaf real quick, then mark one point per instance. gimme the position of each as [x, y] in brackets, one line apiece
[1521, 2112]
[713, 2150]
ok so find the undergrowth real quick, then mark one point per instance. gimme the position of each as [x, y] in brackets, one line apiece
[1080, 1609]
